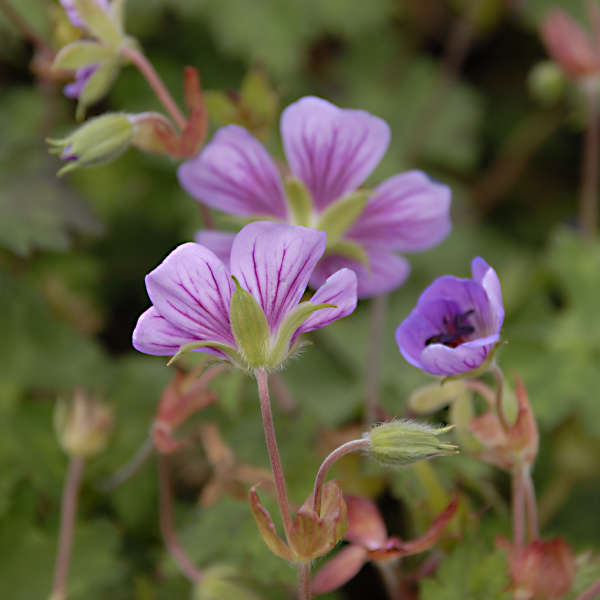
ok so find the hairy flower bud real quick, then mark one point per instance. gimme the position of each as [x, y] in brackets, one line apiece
[97, 142]
[82, 424]
[401, 443]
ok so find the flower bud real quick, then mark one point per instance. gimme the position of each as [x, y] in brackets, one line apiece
[547, 82]
[401, 443]
[96, 142]
[82, 424]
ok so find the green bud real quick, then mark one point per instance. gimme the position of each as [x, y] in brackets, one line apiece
[341, 215]
[250, 327]
[82, 424]
[96, 142]
[299, 200]
[547, 82]
[401, 443]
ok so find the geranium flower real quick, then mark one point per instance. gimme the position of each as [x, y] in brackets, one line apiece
[248, 312]
[369, 540]
[330, 152]
[456, 323]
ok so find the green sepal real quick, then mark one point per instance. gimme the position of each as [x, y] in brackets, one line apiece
[80, 54]
[281, 348]
[97, 86]
[250, 327]
[433, 396]
[339, 216]
[299, 200]
[350, 250]
[232, 353]
[99, 22]
[117, 13]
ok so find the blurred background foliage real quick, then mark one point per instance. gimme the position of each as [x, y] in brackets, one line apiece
[450, 77]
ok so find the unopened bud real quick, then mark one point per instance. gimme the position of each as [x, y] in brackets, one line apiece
[547, 82]
[96, 142]
[82, 424]
[401, 443]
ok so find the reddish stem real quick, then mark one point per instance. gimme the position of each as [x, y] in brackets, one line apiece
[378, 306]
[499, 394]
[530, 506]
[23, 26]
[271, 440]
[518, 507]
[591, 592]
[588, 207]
[167, 529]
[304, 592]
[155, 82]
[67, 526]
[342, 450]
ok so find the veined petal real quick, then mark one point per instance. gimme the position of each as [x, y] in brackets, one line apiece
[332, 150]
[235, 174]
[339, 289]
[386, 271]
[154, 335]
[274, 262]
[443, 360]
[487, 278]
[407, 212]
[192, 290]
[218, 242]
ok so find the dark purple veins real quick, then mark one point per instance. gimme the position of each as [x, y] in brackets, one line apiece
[454, 332]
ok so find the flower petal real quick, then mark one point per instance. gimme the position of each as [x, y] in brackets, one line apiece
[339, 570]
[407, 212]
[332, 150]
[192, 290]
[274, 262]
[218, 242]
[339, 289]
[443, 360]
[386, 271]
[235, 174]
[365, 523]
[74, 89]
[487, 278]
[154, 335]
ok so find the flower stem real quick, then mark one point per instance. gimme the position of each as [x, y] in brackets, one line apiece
[167, 529]
[155, 82]
[128, 470]
[67, 526]
[378, 309]
[23, 26]
[518, 507]
[388, 572]
[271, 440]
[498, 375]
[342, 450]
[588, 206]
[304, 581]
[531, 506]
[591, 593]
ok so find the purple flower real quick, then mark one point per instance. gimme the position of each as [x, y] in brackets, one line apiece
[455, 324]
[82, 75]
[331, 151]
[193, 296]
[71, 10]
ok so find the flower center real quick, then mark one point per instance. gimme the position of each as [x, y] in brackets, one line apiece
[454, 331]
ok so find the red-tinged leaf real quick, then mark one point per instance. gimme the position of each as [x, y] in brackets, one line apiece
[396, 547]
[266, 527]
[192, 89]
[365, 524]
[339, 570]
[194, 133]
[153, 132]
[314, 535]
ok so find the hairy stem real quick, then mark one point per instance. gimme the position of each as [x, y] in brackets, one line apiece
[531, 506]
[518, 507]
[67, 526]
[304, 581]
[271, 440]
[588, 206]
[342, 450]
[167, 528]
[155, 82]
[378, 307]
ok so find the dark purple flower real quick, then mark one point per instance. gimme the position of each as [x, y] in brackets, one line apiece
[455, 324]
[71, 10]
[331, 151]
[192, 290]
[82, 75]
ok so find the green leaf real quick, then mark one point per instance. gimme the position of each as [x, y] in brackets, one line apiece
[80, 54]
[288, 328]
[250, 327]
[99, 22]
[339, 216]
[299, 200]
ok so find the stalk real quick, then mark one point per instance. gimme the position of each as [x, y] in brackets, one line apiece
[588, 205]
[378, 309]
